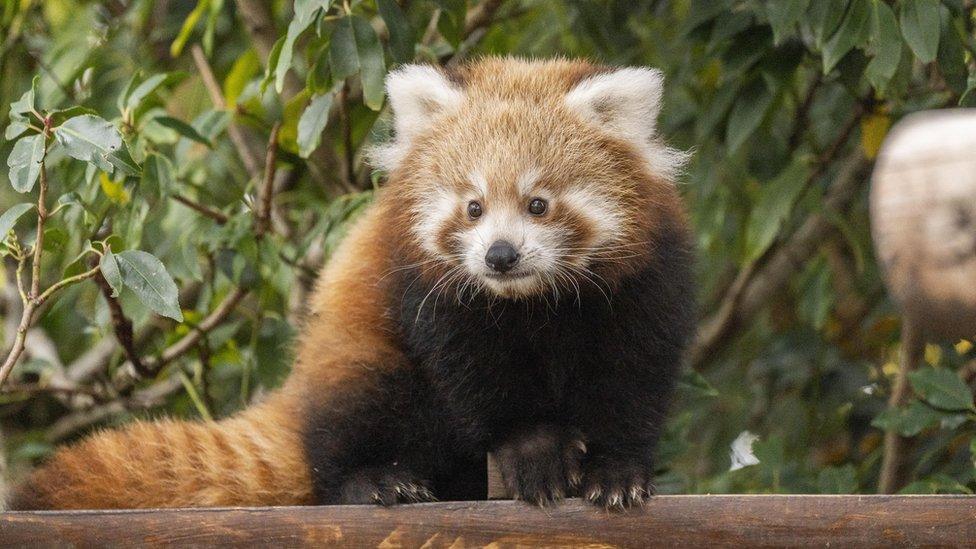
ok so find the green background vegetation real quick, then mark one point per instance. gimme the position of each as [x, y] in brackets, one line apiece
[152, 119]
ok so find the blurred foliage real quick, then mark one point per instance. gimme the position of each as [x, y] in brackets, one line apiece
[772, 95]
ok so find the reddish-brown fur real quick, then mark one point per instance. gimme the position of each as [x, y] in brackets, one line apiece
[256, 457]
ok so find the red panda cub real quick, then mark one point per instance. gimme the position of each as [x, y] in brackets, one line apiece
[522, 285]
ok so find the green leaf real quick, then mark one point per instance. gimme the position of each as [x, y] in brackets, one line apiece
[838, 480]
[146, 276]
[148, 86]
[451, 22]
[10, 217]
[747, 113]
[25, 162]
[27, 102]
[952, 55]
[306, 11]
[69, 199]
[908, 421]
[183, 129]
[271, 68]
[188, 25]
[972, 451]
[245, 68]
[372, 64]
[312, 124]
[886, 46]
[825, 16]
[14, 130]
[853, 31]
[109, 267]
[90, 139]
[942, 388]
[342, 50]
[122, 160]
[783, 16]
[402, 36]
[157, 176]
[356, 48]
[127, 91]
[936, 484]
[695, 383]
[773, 208]
[61, 116]
[920, 27]
[968, 99]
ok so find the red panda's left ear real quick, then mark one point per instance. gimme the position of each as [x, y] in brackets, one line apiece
[626, 101]
[418, 95]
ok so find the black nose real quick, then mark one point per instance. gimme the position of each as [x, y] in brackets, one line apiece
[501, 256]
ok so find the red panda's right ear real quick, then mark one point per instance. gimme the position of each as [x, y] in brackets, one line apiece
[418, 93]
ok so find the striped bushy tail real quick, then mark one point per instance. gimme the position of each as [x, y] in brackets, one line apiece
[251, 459]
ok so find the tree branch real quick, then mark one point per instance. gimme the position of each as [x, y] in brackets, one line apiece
[262, 221]
[35, 298]
[892, 460]
[35, 287]
[218, 216]
[121, 324]
[760, 281]
[261, 225]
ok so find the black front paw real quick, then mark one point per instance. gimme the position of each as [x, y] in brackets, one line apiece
[617, 483]
[542, 464]
[384, 486]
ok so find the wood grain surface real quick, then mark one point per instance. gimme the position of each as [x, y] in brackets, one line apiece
[722, 521]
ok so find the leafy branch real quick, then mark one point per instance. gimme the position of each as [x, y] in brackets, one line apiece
[34, 298]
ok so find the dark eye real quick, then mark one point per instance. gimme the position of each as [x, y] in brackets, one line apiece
[538, 206]
[474, 209]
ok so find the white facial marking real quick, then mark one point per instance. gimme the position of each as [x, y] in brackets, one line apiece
[526, 182]
[600, 210]
[439, 206]
[480, 183]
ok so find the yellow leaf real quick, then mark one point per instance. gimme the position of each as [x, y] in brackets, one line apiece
[890, 369]
[963, 346]
[59, 12]
[933, 354]
[874, 128]
[245, 68]
[114, 190]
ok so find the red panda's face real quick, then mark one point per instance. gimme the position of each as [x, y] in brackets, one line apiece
[522, 194]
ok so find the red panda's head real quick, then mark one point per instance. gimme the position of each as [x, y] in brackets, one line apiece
[522, 177]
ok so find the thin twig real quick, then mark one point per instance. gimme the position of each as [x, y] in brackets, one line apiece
[783, 256]
[35, 288]
[121, 324]
[759, 281]
[262, 221]
[892, 460]
[218, 216]
[128, 375]
[248, 156]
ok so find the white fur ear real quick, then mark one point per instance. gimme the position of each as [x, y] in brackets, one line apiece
[418, 93]
[626, 103]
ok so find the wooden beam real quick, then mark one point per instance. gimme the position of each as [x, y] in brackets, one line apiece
[725, 521]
